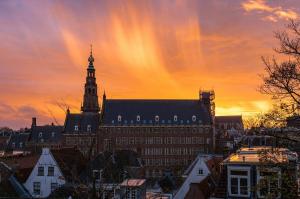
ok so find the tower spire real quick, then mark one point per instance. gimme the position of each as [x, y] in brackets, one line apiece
[90, 98]
[91, 58]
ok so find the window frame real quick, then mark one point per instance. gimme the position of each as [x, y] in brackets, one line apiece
[259, 177]
[34, 186]
[175, 118]
[238, 177]
[194, 118]
[138, 118]
[38, 172]
[49, 170]
[119, 118]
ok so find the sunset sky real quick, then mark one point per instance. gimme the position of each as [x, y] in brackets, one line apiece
[142, 49]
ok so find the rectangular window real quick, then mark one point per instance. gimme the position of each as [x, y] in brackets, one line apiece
[40, 171]
[239, 181]
[36, 188]
[268, 182]
[50, 171]
[53, 186]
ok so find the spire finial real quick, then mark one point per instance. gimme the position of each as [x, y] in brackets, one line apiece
[91, 58]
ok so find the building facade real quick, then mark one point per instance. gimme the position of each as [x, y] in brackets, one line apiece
[167, 134]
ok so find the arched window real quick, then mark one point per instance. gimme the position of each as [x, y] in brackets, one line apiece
[119, 118]
[138, 118]
[175, 118]
[40, 134]
[156, 118]
[194, 118]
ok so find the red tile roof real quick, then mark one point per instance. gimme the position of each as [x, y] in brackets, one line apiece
[133, 182]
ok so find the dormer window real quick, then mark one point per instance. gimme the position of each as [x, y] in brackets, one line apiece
[175, 118]
[76, 127]
[194, 118]
[119, 118]
[40, 134]
[89, 128]
[138, 118]
[156, 118]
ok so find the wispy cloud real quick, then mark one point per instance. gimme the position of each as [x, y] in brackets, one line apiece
[274, 13]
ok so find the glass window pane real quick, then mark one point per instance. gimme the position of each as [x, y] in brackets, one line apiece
[239, 173]
[234, 186]
[243, 186]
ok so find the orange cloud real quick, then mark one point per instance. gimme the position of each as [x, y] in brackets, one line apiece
[142, 49]
[276, 12]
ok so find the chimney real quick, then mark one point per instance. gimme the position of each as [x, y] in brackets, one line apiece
[33, 122]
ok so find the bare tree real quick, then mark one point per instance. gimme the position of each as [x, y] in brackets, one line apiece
[282, 79]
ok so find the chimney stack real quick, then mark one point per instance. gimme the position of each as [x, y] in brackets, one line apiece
[33, 122]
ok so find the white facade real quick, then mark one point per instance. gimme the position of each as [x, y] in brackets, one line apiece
[198, 172]
[45, 176]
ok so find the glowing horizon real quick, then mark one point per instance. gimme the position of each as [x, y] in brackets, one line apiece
[142, 49]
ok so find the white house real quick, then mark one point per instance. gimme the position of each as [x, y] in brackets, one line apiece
[197, 172]
[45, 177]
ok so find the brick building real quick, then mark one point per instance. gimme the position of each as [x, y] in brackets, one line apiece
[167, 134]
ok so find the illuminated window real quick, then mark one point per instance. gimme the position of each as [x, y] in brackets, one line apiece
[138, 118]
[76, 127]
[53, 134]
[40, 134]
[156, 118]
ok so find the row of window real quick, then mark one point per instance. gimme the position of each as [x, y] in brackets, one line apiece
[167, 162]
[176, 130]
[88, 128]
[239, 182]
[13, 145]
[41, 134]
[37, 187]
[156, 118]
[42, 173]
[161, 140]
[172, 151]
[72, 141]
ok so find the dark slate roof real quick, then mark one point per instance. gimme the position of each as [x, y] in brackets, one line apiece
[187, 111]
[229, 119]
[113, 164]
[46, 134]
[82, 120]
[17, 141]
